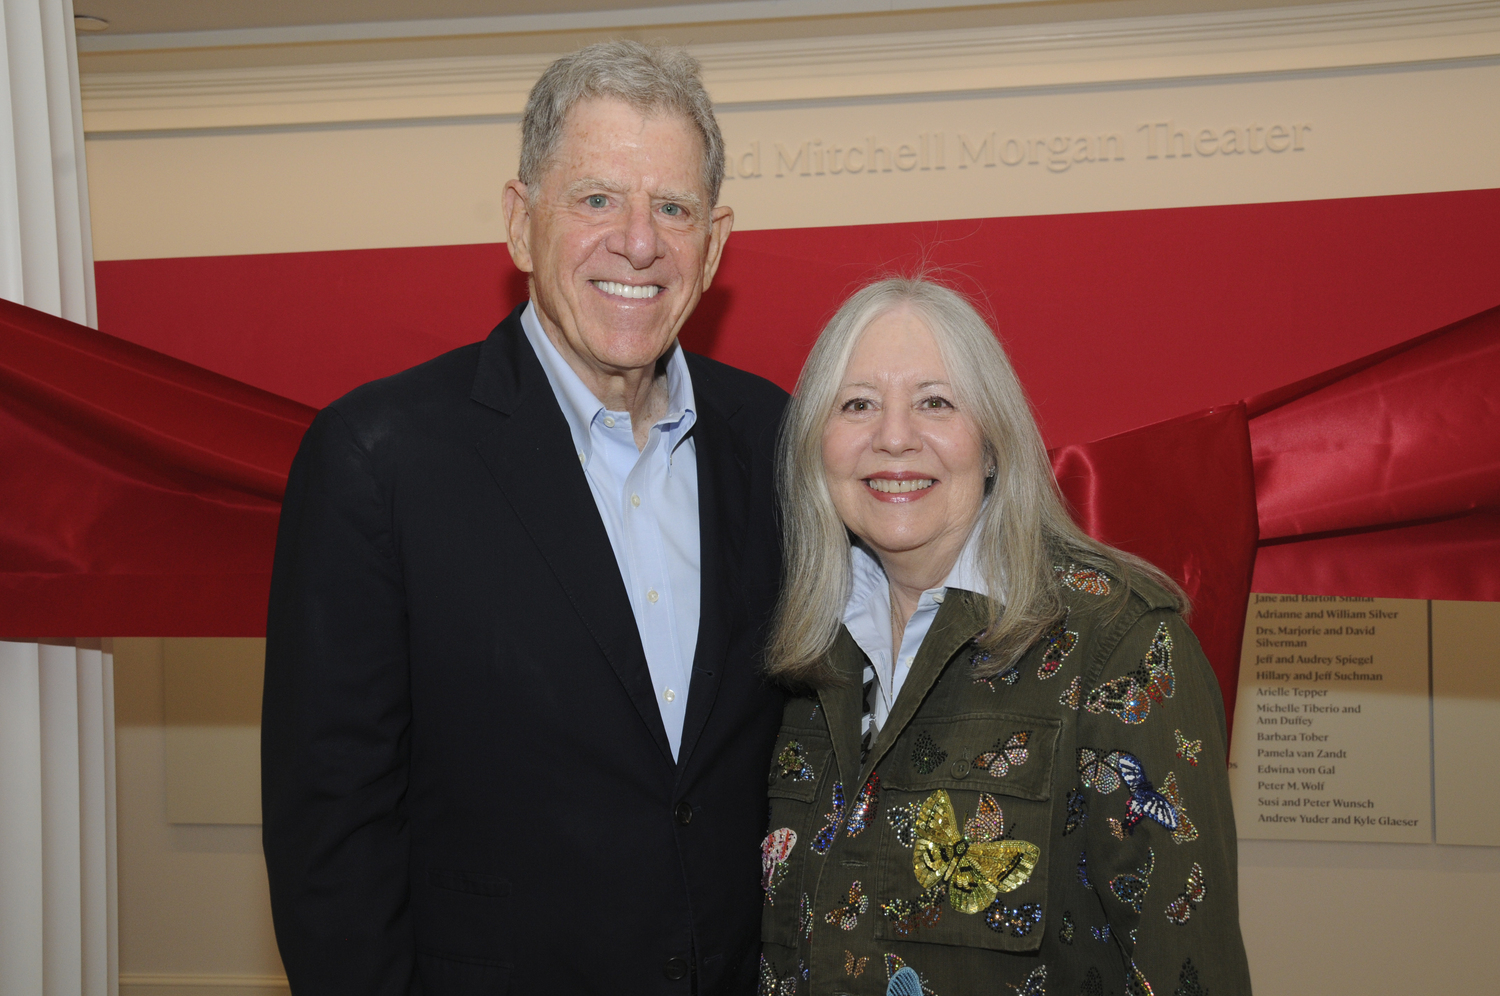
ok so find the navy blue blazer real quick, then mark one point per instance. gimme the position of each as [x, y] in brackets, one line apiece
[467, 786]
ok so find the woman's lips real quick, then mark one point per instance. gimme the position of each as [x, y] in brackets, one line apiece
[900, 487]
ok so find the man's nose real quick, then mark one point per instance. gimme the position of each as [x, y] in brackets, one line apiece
[640, 243]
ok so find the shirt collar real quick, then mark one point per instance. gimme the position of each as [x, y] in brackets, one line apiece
[579, 405]
[869, 582]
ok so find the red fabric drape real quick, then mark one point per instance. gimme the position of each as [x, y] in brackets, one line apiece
[140, 493]
[1382, 477]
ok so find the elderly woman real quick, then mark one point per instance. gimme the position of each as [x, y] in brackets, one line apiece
[1002, 767]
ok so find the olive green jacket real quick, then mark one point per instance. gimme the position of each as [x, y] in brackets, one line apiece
[1062, 828]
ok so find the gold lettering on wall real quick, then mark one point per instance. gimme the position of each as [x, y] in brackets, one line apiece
[980, 150]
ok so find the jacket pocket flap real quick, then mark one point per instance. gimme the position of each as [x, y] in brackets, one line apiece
[1001, 753]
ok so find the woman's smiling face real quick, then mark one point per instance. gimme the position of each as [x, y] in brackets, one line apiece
[905, 466]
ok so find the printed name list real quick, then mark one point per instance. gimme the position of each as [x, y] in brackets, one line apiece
[1331, 728]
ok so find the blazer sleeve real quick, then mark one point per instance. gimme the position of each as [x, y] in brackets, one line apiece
[1168, 893]
[335, 726]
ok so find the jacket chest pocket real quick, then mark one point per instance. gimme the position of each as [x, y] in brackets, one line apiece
[968, 800]
[802, 776]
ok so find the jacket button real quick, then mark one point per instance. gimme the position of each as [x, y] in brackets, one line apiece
[684, 815]
[960, 767]
[675, 969]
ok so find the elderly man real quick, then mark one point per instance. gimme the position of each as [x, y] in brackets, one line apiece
[514, 738]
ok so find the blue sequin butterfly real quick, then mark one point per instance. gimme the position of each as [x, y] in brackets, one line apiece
[824, 840]
[1144, 799]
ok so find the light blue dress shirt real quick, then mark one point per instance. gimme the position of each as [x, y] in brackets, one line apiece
[867, 616]
[648, 499]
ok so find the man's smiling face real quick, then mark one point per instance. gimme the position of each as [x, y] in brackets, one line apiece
[618, 236]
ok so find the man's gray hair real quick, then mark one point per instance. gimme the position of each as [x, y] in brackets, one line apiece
[650, 78]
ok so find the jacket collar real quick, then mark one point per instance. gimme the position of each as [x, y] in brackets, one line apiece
[961, 616]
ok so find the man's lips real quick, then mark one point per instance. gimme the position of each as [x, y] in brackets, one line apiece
[629, 292]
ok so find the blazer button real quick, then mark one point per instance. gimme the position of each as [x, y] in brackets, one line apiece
[675, 969]
[684, 815]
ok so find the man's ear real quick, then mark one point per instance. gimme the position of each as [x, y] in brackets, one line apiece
[517, 224]
[720, 224]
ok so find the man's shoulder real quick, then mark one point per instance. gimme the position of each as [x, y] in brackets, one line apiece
[443, 382]
[734, 392]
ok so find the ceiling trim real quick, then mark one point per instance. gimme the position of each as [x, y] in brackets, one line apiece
[510, 24]
[1122, 51]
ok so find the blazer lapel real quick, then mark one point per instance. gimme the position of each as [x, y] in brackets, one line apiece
[531, 457]
[722, 521]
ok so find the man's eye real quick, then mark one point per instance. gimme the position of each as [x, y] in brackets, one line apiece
[597, 200]
[674, 210]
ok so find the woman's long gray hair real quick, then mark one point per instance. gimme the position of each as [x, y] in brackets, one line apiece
[1024, 528]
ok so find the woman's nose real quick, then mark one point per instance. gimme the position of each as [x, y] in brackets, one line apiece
[896, 432]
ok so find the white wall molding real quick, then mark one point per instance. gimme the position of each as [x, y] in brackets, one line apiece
[1125, 50]
[508, 24]
[158, 984]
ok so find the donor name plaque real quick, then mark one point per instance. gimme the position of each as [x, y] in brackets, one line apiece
[1332, 726]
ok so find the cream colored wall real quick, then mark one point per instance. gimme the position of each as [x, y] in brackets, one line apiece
[356, 155]
[195, 916]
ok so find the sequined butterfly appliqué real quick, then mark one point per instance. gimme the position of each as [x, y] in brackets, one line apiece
[846, 915]
[863, 810]
[1144, 800]
[1035, 984]
[1129, 698]
[774, 852]
[1084, 579]
[974, 863]
[824, 839]
[792, 762]
[1130, 887]
[1058, 642]
[772, 986]
[1180, 910]
[1003, 757]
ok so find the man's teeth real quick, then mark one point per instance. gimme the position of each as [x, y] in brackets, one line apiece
[890, 487]
[627, 290]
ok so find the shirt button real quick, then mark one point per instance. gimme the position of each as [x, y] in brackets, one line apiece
[609, 422]
[683, 813]
[675, 969]
[669, 695]
[581, 457]
[635, 500]
[938, 598]
[652, 596]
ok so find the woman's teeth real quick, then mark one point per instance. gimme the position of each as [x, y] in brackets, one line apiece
[627, 290]
[886, 486]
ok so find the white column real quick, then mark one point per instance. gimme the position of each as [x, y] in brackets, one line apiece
[46, 249]
[57, 740]
[57, 837]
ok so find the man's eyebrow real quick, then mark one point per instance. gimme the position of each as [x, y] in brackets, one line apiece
[592, 183]
[684, 197]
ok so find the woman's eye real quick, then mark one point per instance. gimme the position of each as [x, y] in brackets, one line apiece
[935, 402]
[857, 405]
[597, 200]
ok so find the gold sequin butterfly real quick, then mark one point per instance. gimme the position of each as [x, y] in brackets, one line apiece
[973, 863]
